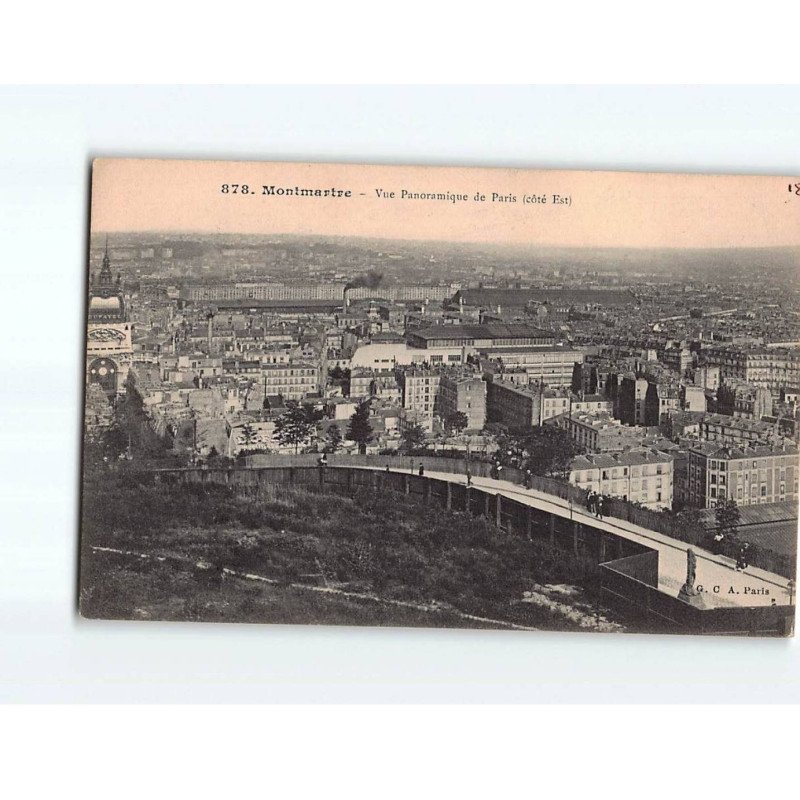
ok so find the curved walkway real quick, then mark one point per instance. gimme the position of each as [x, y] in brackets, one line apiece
[722, 585]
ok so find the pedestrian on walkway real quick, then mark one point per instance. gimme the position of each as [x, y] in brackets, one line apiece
[469, 477]
[741, 559]
[421, 470]
[591, 500]
[528, 480]
[499, 471]
[600, 505]
[717, 543]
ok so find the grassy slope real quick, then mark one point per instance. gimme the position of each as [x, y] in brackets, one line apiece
[401, 550]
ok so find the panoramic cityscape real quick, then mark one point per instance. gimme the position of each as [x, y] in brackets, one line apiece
[357, 431]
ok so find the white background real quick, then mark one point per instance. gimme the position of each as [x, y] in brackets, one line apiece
[47, 138]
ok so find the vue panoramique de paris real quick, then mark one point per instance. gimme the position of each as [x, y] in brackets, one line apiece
[448, 397]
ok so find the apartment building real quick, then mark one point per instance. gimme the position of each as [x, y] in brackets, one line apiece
[292, 381]
[517, 406]
[640, 475]
[374, 383]
[465, 393]
[599, 432]
[726, 429]
[552, 365]
[750, 475]
[419, 386]
[770, 367]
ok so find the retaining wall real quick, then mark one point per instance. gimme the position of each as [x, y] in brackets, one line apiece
[629, 571]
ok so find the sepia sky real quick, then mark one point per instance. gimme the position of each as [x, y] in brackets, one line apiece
[607, 209]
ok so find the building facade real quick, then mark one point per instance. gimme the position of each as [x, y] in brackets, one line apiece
[292, 381]
[772, 368]
[641, 475]
[749, 475]
[263, 291]
[419, 386]
[553, 365]
[464, 393]
[734, 430]
[476, 337]
[632, 400]
[518, 407]
[380, 383]
[599, 432]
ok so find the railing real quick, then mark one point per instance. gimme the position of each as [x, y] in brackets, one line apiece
[667, 524]
[629, 578]
[453, 466]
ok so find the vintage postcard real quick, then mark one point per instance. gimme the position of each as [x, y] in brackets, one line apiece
[443, 397]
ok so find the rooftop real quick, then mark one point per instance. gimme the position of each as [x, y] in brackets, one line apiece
[737, 422]
[627, 458]
[531, 390]
[521, 297]
[533, 349]
[494, 330]
[727, 452]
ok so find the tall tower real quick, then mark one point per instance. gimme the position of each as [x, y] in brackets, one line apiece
[109, 349]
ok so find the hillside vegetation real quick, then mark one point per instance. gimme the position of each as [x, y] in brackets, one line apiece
[400, 549]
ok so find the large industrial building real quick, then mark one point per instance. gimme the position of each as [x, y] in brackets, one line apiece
[476, 337]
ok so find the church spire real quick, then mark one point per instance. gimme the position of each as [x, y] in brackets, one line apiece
[106, 278]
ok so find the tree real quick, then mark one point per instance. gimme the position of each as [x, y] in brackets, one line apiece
[333, 439]
[359, 429]
[341, 377]
[295, 425]
[249, 434]
[548, 450]
[413, 438]
[456, 422]
[495, 429]
[728, 517]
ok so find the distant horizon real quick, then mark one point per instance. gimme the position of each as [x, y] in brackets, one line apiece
[421, 242]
